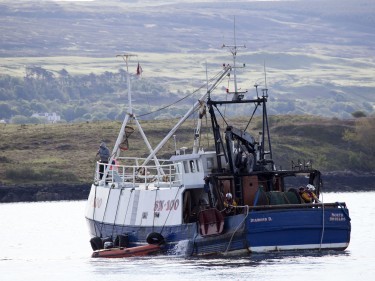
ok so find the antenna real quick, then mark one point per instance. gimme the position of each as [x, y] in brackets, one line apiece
[265, 90]
[256, 89]
[233, 49]
[126, 58]
[207, 76]
[265, 74]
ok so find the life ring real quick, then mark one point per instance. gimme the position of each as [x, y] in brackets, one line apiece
[155, 238]
[96, 243]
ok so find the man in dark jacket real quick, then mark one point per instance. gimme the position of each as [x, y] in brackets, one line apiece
[104, 155]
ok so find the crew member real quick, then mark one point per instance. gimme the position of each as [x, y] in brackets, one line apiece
[104, 155]
[308, 195]
[229, 204]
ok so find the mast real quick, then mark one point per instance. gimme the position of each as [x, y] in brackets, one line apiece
[238, 140]
[265, 126]
[130, 116]
[233, 49]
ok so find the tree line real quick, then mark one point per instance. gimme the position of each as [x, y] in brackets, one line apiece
[74, 97]
[93, 97]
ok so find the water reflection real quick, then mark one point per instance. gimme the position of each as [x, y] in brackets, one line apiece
[49, 241]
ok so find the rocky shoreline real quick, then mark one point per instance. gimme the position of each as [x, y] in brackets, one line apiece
[333, 182]
[348, 181]
[37, 193]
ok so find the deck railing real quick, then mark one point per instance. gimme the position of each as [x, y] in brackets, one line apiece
[134, 173]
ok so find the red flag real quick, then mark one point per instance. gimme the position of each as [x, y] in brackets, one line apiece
[139, 69]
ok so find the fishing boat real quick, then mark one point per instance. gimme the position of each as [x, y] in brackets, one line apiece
[232, 199]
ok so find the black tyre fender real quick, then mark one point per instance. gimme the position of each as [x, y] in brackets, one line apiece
[121, 241]
[96, 243]
[155, 238]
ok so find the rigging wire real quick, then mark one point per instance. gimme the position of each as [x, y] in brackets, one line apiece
[126, 213]
[226, 99]
[222, 116]
[207, 129]
[181, 99]
[170, 209]
[251, 118]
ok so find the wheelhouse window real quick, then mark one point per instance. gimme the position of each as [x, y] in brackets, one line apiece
[210, 163]
[192, 166]
[186, 167]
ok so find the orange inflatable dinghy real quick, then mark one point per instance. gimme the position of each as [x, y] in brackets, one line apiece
[138, 251]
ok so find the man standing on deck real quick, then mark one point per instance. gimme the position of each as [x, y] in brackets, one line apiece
[104, 155]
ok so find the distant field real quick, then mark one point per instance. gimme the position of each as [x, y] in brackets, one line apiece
[285, 71]
[318, 55]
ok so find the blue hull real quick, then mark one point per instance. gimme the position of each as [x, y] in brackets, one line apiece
[257, 231]
[309, 228]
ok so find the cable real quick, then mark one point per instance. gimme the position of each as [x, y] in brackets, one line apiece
[181, 99]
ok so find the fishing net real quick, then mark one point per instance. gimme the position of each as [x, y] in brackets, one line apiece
[124, 145]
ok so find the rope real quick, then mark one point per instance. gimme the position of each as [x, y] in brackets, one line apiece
[105, 211]
[247, 213]
[118, 204]
[153, 221]
[170, 209]
[93, 212]
[193, 247]
[323, 226]
[256, 197]
[344, 211]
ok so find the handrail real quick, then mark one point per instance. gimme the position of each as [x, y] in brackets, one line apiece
[137, 174]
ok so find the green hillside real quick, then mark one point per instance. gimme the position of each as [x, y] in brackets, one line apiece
[65, 153]
[60, 56]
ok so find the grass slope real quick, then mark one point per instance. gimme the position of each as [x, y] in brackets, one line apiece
[65, 153]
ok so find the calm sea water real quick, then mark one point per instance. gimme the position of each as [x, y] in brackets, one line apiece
[49, 241]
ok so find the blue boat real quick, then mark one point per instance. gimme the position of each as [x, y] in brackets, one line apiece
[230, 200]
